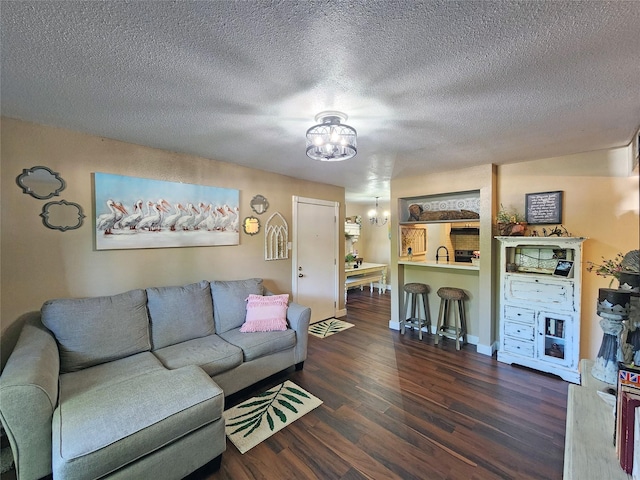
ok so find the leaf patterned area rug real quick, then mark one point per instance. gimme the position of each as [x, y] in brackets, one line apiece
[326, 328]
[256, 419]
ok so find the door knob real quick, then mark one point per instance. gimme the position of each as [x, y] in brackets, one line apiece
[300, 275]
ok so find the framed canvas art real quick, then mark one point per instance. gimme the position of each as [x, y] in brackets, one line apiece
[544, 208]
[133, 212]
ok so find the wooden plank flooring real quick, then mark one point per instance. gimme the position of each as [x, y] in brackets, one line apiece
[399, 408]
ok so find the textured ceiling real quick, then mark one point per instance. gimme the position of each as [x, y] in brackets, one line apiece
[429, 86]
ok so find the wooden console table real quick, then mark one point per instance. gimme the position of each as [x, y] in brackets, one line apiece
[589, 453]
[366, 274]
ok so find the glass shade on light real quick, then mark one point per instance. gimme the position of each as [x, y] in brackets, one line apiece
[375, 219]
[331, 141]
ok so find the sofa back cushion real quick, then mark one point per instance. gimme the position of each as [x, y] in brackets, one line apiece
[90, 331]
[229, 301]
[180, 313]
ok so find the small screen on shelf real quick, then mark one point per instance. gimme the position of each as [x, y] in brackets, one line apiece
[564, 268]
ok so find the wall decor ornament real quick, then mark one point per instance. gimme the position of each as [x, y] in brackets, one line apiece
[613, 307]
[620, 312]
[251, 225]
[62, 215]
[259, 204]
[40, 182]
[133, 212]
[276, 238]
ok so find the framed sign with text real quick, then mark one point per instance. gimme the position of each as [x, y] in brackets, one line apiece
[543, 208]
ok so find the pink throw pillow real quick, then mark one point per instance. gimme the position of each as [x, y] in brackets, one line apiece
[266, 313]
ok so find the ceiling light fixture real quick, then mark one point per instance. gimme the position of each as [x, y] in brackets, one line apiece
[375, 219]
[331, 141]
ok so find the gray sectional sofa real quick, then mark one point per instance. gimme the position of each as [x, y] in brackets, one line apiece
[133, 385]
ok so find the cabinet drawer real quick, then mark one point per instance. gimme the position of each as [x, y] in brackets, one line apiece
[539, 291]
[520, 347]
[518, 330]
[525, 315]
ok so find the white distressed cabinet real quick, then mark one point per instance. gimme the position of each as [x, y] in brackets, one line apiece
[540, 284]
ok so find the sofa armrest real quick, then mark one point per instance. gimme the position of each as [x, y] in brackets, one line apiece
[28, 397]
[298, 317]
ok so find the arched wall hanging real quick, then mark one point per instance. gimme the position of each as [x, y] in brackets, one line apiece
[276, 238]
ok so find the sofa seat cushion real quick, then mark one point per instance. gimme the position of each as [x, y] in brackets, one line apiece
[259, 344]
[211, 353]
[180, 313]
[76, 383]
[90, 331]
[101, 429]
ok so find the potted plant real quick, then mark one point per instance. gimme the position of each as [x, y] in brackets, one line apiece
[616, 267]
[510, 222]
[349, 258]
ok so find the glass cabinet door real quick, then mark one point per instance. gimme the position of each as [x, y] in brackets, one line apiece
[555, 332]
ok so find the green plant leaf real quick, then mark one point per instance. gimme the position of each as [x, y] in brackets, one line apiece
[270, 421]
[286, 404]
[279, 413]
[255, 426]
[245, 414]
[252, 404]
[247, 425]
[298, 392]
[292, 398]
[244, 420]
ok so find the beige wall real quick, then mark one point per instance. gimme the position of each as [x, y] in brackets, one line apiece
[601, 202]
[39, 263]
[374, 244]
[482, 178]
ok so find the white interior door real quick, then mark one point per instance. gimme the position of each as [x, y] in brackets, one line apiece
[315, 247]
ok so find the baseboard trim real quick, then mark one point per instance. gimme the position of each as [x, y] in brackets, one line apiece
[471, 339]
[487, 350]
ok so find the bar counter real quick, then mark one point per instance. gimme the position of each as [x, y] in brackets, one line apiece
[442, 274]
[433, 264]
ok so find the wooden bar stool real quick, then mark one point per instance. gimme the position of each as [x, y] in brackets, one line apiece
[449, 295]
[412, 307]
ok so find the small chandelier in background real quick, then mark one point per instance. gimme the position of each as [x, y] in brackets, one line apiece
[375, 219]
[331, 141]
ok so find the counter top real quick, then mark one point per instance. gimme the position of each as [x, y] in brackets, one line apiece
[433, 264]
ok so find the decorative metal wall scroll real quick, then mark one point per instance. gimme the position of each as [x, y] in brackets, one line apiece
[276, 238]
[40, 182]
[62, 215]
[43, 183]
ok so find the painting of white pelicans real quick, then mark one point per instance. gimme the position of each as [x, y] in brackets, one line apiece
[136, 212]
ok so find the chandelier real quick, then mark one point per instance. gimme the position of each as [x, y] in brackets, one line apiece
[331, 141]
[374, 216]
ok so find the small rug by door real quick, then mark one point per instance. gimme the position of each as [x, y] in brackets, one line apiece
[328, 327]
[256, 419]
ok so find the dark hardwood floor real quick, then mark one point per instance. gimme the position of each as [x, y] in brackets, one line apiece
[396, 407]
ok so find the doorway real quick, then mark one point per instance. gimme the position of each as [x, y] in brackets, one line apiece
[315, 252]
